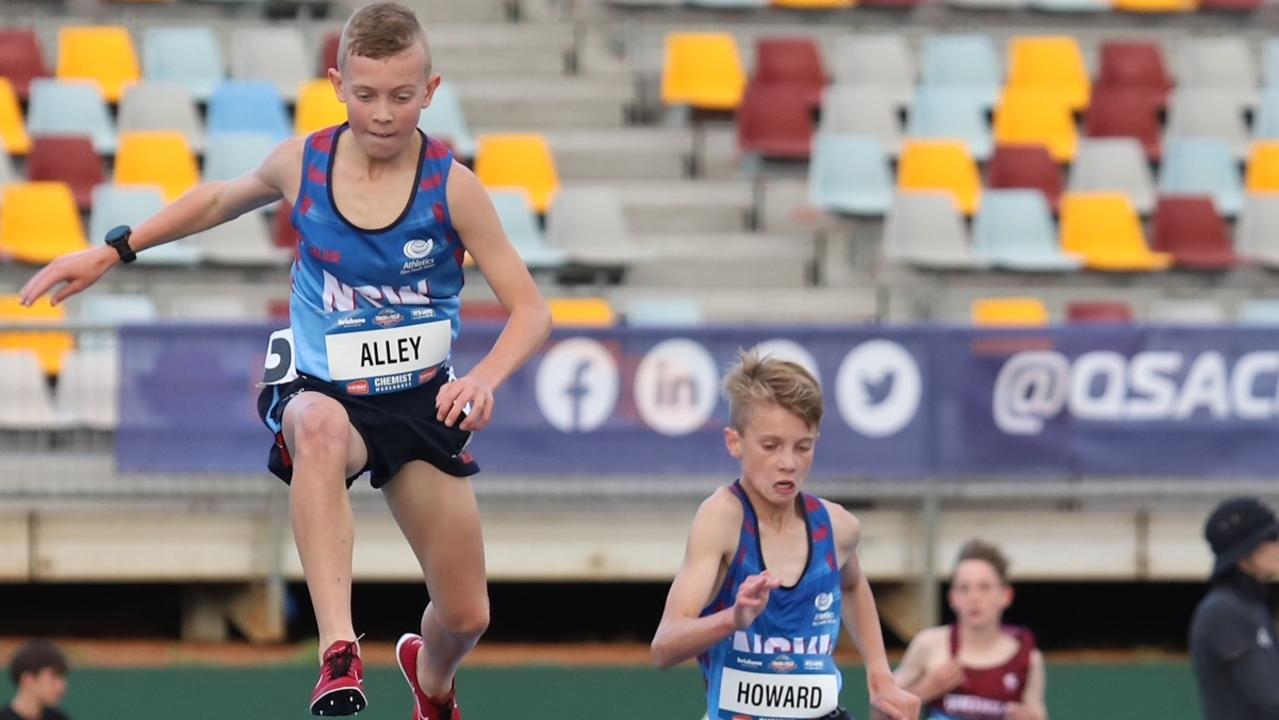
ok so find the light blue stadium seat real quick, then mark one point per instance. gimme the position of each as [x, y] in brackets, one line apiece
[188, 56]
[850, 174]
[129, 205]
[250, 106]
[231, 155]
[968, 61]
[518, 220]
[951, 113]
[1014, 230]
[1202, 166]
[1259, 311]
[663, 312]
[1270, 63]
[73, 107]
[445, 121]
[1266, 126]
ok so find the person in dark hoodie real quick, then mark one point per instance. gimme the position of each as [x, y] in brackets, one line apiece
[1233, 644]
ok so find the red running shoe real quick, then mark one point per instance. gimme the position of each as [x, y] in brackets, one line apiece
[424, 706]
[340, 689]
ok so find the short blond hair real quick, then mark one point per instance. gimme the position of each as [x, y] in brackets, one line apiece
[381, 30]
[756, 381]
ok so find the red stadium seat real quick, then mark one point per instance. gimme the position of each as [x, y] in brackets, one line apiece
[277, 308]
[1136, 66]
[21, 60]
[796, 62]
[1231, 5]
[1125, 112]
[1190, 228]
[1098, 312]
[775, 121]
[70, 159]
[1028, 167]
[329, 53]
[283, 232]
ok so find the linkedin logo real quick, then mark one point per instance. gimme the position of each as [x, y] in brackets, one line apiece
[676, 387]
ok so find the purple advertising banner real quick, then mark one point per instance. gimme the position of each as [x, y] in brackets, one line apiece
[909, 402]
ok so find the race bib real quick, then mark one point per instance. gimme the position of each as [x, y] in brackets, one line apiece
[386, 350]
[807, 687]
[371, 351]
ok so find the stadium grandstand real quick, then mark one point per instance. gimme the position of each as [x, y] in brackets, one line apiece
[1028, 247]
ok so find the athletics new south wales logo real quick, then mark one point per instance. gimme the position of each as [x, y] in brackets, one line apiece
[417, 252]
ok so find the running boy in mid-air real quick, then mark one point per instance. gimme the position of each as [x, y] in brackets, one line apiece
[385, 216]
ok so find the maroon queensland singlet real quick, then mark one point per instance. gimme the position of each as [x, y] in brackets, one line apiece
[986, 692]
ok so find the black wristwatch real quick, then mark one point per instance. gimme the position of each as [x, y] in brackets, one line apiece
[118, 238]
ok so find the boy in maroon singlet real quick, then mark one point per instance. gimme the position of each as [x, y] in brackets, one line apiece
[977, 668]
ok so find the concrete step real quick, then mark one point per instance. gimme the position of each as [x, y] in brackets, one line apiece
[686, 206]
[723, 260]
[630, 153]
[545, 103]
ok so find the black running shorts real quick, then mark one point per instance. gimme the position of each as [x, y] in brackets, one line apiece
[396, 427]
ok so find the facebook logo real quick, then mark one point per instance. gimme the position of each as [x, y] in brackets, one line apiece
[577, 385]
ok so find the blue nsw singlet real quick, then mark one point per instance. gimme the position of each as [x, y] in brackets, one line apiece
[783, 665]
[374, 311]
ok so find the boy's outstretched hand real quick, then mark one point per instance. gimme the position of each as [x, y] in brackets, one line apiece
[752, 598]
[74, 272]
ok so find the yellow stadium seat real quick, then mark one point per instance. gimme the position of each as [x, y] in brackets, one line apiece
[13, 133]
[103, 54]
[40, 222]
[1104, 229]
[519, 161]
[48, 345]
[1051, 64]
[581, 312]
[1009, 312]
[813, 4]
[703, 70]
[156, 158]
[1263, 168]
[1156, 6]
[318, 107]
[1036, 117]
[941, 165]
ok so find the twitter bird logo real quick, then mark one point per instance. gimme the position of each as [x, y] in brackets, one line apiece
[878, 388]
